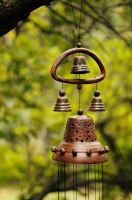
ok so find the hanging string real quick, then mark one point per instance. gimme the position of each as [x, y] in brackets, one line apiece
[102, 181]
[79, 35]
[79, 99]
[77, 25]
[78, 30]
[58, 181]
[88, 181]
[95, 179]
[99, 180]
[62, 86]
[79, 87]
[76, 181]
[85, 178]
[73, 181]
[96, 87]
[64, 181]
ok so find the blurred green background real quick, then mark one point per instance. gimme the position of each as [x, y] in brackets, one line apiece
[28, 125]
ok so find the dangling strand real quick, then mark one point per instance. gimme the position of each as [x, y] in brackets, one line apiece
[78, 30]
[77, 25]
[95, 179]
[64, 181]
[58, 181]
[88, 181]
[96, 87]
[96, 90]
[79, 87]
[62, 86]
[74, 181]
[99, 180]
[85, 178]
[102, 181]
[75, 22]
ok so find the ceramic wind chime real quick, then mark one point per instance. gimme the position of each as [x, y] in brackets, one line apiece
[80, 146]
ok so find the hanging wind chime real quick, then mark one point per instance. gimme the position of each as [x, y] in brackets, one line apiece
[80, 146]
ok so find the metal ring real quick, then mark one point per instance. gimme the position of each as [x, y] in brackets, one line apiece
[78, 81]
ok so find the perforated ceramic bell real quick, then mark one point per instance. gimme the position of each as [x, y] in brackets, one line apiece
[96, 103]
[62, 103]
[80, 66]
[80, 144]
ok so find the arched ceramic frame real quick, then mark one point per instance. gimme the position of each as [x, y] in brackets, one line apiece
[78, 81]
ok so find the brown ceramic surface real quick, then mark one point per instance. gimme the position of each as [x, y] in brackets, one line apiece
[80, 144]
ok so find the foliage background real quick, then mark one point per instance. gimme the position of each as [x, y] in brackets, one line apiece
[29, 127]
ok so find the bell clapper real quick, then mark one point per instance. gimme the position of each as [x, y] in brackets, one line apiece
[96, 93]
[79, 88]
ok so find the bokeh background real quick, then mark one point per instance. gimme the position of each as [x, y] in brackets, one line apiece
[28, 125]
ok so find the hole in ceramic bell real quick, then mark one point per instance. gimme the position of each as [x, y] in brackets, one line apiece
[62, 103]
[80, 66]
[96, 103]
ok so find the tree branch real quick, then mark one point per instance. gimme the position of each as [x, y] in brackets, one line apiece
[52, 186]
[119, 4]
[53, 32]
[13, 11]
[99, 18]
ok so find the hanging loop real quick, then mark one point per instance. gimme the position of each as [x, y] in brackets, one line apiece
[78, 81]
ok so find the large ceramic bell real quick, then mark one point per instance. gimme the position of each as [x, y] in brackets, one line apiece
[96, 103]
[62, 103]
[80, 144]
[80, 66]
